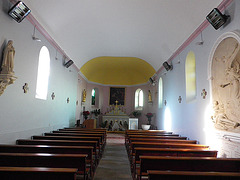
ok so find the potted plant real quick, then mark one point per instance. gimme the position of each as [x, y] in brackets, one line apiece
[136, 113]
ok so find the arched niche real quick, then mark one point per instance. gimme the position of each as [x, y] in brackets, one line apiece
[224, 72]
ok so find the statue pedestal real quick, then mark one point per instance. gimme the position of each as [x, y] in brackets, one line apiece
[5, 80]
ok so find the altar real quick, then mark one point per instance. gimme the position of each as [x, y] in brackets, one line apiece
[116, 119]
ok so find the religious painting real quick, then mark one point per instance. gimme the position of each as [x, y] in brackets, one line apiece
[117, 94]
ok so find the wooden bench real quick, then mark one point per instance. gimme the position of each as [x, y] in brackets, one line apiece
[139, 151]
[37, 173]
[46, 160]
[103, 134]
[61, 143]
[102, 141]
[72, 138]
[134, 145]
[128, 147]
[84, 129]
[163, 140]
[188, 175]
[53, 150]
[187, 164]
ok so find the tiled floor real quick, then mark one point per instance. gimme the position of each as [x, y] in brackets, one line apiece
[114, 164]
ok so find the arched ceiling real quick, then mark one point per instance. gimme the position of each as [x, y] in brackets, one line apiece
[109, 70]
[151, 30]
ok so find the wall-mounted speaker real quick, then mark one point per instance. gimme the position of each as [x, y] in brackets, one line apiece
[19, 11]
[216, 18]
[152, 81]
[167, 66]
[68, 64]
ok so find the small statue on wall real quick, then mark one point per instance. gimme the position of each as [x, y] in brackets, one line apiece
[149, 96]
[7, 74]
[8, 58]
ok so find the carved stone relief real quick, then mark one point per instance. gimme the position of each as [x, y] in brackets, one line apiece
[225, 81]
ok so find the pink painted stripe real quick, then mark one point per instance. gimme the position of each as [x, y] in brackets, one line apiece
[222, 6]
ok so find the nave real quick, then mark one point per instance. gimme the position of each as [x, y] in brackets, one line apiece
[95, 154]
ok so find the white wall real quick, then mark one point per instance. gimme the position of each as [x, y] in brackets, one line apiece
[22, 115]
[188, 119]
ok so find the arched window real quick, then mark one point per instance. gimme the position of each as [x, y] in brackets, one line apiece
[160, 93]
[93, 97]
[43, 73]
[190, 75]
[139, 99]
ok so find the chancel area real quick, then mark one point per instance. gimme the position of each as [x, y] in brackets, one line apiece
[119, 89]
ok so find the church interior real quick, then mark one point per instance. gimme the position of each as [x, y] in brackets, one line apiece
[130, 76]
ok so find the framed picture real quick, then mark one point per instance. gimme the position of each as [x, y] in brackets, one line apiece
[117, 94]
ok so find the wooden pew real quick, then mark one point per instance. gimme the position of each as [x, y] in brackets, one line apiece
[73, 138]
[37, 173]
[84, 129]
[80, 135]
[128, 147]
[127, 141]
[53, 150]
[187, 164]
[188, 175]
[104, 134]
[46, 160]
[158, 137]
[163, 140]
[61, 143]
[140, 151]
[134, 145]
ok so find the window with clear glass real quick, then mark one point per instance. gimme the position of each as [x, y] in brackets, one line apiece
[43, 73]
[93, 97]
[160, 94]
[190, 75]
[139, 99]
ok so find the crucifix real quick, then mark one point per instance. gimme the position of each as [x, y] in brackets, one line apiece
[25, 88]
[180, 99]
[53, 96]
[204, 93]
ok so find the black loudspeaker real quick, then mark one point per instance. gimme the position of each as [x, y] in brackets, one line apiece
[19, 11]
[216, 18]
[167, 66]
[69, 63]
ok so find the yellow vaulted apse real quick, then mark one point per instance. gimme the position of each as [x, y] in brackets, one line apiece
[109, 70]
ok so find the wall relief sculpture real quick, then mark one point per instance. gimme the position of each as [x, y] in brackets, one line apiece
[225, 76]
[7, 74]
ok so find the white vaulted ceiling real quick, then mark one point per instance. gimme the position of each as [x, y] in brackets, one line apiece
[151, 30]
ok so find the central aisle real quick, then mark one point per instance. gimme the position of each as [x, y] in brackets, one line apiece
[114, 164]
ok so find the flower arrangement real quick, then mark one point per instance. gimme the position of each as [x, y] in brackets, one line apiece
[149, 115]
[86, 113]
